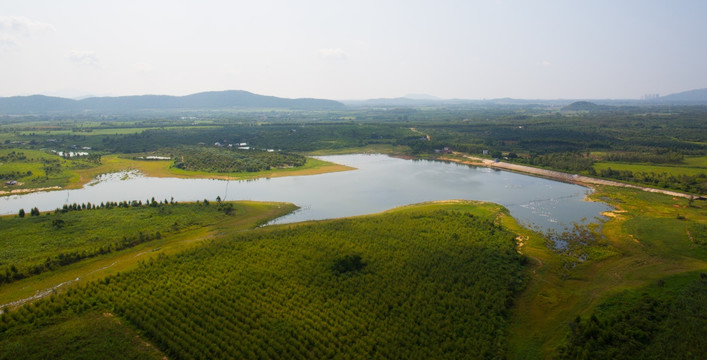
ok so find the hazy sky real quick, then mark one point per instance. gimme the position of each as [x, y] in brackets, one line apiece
[354, 49]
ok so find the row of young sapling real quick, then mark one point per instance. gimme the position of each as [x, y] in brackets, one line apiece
[227, 208]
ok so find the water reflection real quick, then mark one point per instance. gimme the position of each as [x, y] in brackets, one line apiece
[379, 183]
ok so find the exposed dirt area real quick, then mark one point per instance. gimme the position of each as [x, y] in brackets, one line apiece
[23, 191]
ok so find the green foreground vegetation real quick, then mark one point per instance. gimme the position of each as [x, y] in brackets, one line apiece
[426, 281]
[431, 281]
[245, 215]
[90, 335]
[666, 320]
[648, 238]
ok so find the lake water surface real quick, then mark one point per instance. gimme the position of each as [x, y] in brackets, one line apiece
[379, 183]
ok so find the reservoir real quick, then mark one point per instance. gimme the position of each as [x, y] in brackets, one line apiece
[379, 183]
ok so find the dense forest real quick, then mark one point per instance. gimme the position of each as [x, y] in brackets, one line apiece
[288, 137]
[409, 284]
[227, 160]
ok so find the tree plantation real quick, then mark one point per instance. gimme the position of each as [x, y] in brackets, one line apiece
[27, 250]
[437, 283]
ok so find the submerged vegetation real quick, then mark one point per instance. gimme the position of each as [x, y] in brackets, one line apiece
[580, 243]
[645, 240]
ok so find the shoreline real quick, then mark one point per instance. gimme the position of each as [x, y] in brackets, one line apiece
[115, 164]
[557, 175]
[472, 160]
[25, 191]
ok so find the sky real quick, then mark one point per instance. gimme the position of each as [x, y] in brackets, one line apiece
[530, 49]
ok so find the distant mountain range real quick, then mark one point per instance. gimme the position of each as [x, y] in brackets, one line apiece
[692, 97]
[213, 100]
[239, 99]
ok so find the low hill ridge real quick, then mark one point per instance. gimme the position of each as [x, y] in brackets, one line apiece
[582, 106]
[697, 96]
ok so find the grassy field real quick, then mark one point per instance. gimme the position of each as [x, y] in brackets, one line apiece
[433, 281]
[696, 161]
[37, 169]
[35, 244]
[648, 233]
[246, 215]
[692, 166]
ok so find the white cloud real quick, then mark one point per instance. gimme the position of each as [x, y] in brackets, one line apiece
[143, 67]
[8, 42]
[332, 53]
[13, 28]
[545, 63]
[82, 57]
[20, 25]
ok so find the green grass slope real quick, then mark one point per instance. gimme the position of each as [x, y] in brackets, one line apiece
[434, 281]
[666, 320]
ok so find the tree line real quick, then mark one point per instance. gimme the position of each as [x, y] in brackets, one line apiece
[37, 244]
